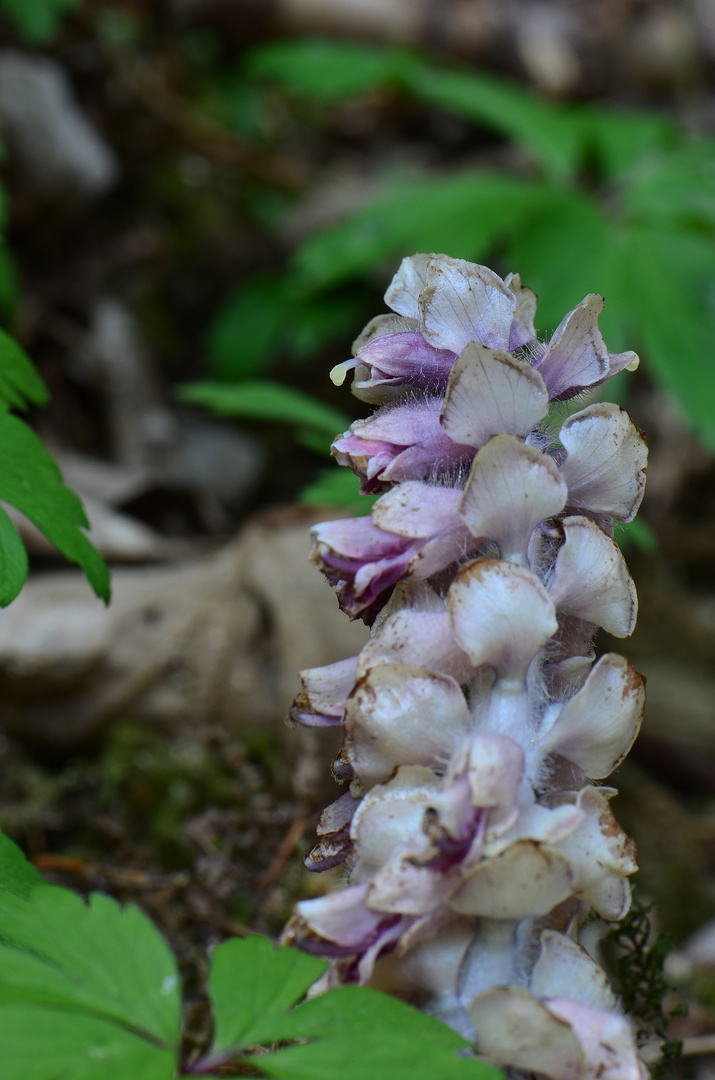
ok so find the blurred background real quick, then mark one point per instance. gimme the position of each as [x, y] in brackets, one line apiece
[204, 201]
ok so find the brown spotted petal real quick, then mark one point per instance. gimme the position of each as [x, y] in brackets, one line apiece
[576, 357]
[400, 715]
[324, 693]
[511, 489]
[606, 1039]
[591, 579]
[502, 615]
[491, 392]
[597, 727]
[606, 461]
[464, 302]
[404, 290]
[601, 855]
[564, 969]
[526, 879]
[334, 832]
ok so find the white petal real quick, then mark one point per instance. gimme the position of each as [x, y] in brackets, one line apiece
[502, 615]
[576, 356]
[597, 727]
[591, 579]
[511, 489]
[415, 510]
[513, 1028]
[391, 816]
[607, 1040]
[527, 879]
[489, 392]
[401, 715]
[525, 311]
[564, 969]
[601, 856]
[606, 462]
[465, 302]
[495, 770]
[407, 284]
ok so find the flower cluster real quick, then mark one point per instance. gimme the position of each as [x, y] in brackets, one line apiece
[476, 719]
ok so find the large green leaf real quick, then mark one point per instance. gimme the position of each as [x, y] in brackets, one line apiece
[19, 381]
[619, 139]
[353, 1032]
[264, 400]
[31, 482]
[676, 187]
[464, 215]
[87, 991]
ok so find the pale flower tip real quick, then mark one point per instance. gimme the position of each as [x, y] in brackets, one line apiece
[338, 373]
[634, 363]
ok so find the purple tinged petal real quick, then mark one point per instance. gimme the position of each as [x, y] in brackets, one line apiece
[416, 509]
[403, 291]
[502, 615]
[334, 832]
[591, 580]
[576, 356]
[402, 442]
[401, 715]
[337, 924]
[606, 461]
[627, 361]
[511, 489]
[491, 392]
[390, 818]
[494, 770]
[392, 365]
[606, 1040]
[324, 693]
[615, 693]
[522, 328]
[465, 302]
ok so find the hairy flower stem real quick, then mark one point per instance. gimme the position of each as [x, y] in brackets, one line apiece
[476, 718]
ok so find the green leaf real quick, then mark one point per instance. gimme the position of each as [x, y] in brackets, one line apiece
[553, 136]
[620, 138]
[19, 381]
[244, 335]
[264, 400]
[356, 1032]
[13, 561]
[37, 22]
[337, 487]
[31, 482]
[252, 984]
[464, 214]
[679, 187]
[17, 875]
[675, 325]
[328, 71]
[86, 991]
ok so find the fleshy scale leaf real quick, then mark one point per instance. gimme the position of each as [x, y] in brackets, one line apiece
[31, 482]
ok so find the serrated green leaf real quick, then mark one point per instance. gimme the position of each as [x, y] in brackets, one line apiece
[464, 214]
[40, 1043]
[19, 381]
[93, 984]
[264, 400]
[325, 70]
[95, 960]
[13, 561]
[337, 487]
[38, 21]
[252, 984]
[31, 482]
[17, 875]
[357, 1032]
